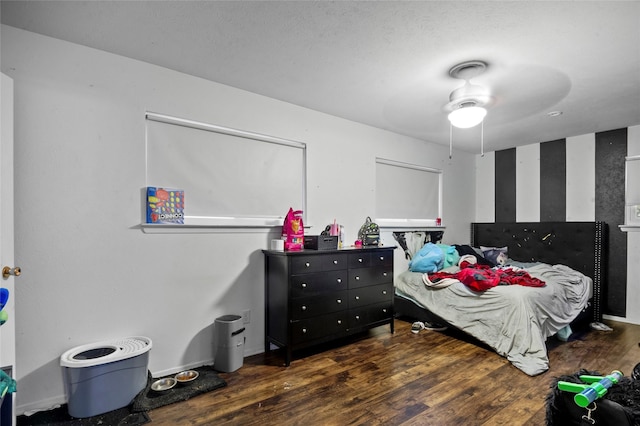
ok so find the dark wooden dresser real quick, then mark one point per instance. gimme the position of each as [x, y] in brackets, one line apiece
[316, 296]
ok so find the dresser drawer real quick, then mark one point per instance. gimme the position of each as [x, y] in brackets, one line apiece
[318, 262]
[334, 261]
[359, 260]
[367, 259]
[362, 317]
[319, 282]
[363, 296]
[334, 324]
[370, 276]
[382, 259]
[308, 307]
[304, 264]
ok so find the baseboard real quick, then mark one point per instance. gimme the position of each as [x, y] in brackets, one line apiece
[174, 370]
[211, 361]
[42, 405]
[620, 319]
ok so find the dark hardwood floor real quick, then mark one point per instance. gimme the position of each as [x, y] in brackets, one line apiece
[430, 378]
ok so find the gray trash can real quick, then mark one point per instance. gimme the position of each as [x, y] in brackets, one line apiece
[229, 343]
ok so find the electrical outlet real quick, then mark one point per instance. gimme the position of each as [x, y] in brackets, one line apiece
[246, 316]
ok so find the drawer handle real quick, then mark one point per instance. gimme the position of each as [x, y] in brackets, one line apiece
[384, 274]
[357, 278]
[384, 310]
[381, 257]
[339, 322]
[304, 330]
[307, 264]
[358, 317]
[384, 291]
[335, 262]
[339, 301]
[304, 285]
[304, 308]
[360, 259]
[339, 280]
[357, 297]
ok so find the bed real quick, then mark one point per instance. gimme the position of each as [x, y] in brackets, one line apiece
[514, 320]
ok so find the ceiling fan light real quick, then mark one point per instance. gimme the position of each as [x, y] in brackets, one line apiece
[466, 117]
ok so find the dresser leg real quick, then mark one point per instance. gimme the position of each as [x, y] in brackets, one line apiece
[287, 357]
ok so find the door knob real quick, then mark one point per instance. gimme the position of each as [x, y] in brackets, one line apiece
[7, 271]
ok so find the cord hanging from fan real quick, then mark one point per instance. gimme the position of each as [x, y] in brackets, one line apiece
[481, 139]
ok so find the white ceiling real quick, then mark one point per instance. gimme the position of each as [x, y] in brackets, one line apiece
[385, 63]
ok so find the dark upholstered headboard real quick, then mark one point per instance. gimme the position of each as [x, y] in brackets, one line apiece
[580, 245]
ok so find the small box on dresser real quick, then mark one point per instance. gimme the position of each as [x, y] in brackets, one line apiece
[316, 296]
[321, 242]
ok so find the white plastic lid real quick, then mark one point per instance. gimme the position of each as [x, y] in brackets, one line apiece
[105, 352]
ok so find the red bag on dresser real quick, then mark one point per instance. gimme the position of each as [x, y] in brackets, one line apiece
[293, 231]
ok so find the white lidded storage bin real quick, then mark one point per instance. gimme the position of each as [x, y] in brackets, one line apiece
[104, 376]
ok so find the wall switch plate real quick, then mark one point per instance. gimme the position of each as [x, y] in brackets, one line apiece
[246, 316]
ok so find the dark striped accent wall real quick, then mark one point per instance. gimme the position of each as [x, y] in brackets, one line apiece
[505, 174]
[609, 169]
[611, 150]
[553, 175]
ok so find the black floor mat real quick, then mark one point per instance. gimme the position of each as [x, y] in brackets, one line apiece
[207, 381]
[60, 417]
[134, 414]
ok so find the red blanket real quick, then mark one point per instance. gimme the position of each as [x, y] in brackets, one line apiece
[481, 277]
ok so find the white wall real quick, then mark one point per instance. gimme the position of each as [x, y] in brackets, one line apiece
[581, 180]
[485, 187]
[90, 274]
[633, 245]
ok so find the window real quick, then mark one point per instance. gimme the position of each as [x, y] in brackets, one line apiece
[407, 195]
[230, 177]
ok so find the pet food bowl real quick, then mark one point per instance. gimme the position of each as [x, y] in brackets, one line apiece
[163, 384]
[187, 376]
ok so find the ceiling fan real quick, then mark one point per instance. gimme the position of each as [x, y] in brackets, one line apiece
[467, 104]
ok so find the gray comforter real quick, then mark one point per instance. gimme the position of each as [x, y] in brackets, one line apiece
[514, 320]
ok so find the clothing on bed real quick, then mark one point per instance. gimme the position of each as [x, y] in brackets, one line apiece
[430, 258]
[434, 257]
[497, 255]
[465, 249]
[481, 277]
